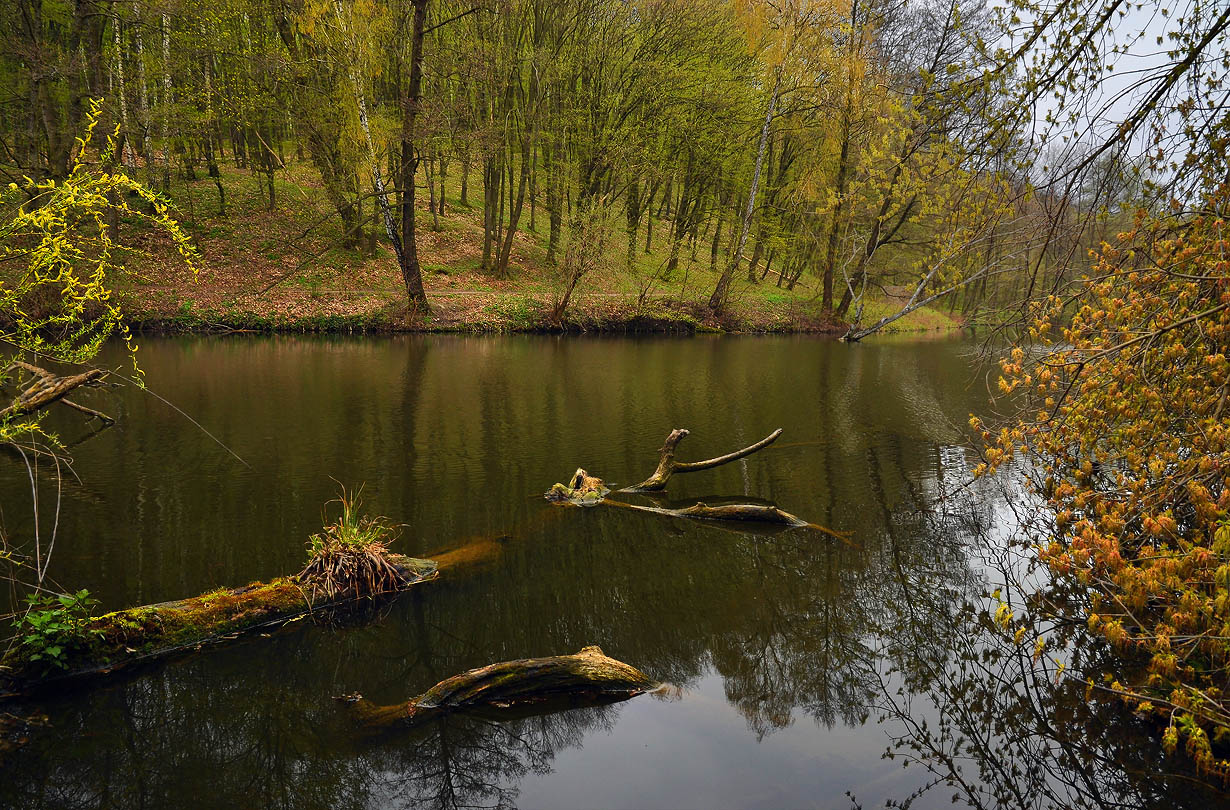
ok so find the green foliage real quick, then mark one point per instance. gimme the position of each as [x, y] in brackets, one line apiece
[57, 248]
[350, 557]
[351, 529]
[53, 627]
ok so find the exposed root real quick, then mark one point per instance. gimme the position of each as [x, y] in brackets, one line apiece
[337, 569]
[350, 557]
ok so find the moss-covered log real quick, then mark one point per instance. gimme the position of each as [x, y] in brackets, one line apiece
[589, 674]
[104, 644]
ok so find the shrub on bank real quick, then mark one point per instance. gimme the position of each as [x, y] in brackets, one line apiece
[1128, 429]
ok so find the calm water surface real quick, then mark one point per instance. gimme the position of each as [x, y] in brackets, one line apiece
[800, 659]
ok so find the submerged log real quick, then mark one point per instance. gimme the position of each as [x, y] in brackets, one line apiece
[584, 489]
[747, 512]
[668, 466]
[116, 640]
[589, 674]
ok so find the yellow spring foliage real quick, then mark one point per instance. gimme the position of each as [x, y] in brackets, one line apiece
[57, 252]
[1128, 430]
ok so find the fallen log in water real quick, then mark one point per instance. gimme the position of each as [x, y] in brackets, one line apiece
[104, 644]
[747, 512]
[589, 674]
[584, 489]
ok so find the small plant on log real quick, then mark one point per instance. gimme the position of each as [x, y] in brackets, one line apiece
[53, 627]
[350, 556]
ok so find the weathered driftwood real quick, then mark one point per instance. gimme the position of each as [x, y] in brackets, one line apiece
[589, 674]
[126, 637]
[584, 489]
[48, 388]
[668, 466]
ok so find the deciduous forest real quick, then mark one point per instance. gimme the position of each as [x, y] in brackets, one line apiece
[854, 160]
[982, 250]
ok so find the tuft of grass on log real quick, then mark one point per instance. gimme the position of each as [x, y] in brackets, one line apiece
[350, 557]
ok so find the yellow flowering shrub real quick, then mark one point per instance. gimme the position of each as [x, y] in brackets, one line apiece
[57, 251]
[1127, 428]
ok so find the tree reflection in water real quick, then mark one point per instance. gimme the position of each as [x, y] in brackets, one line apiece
[997, 724]
[470, 762]
[887, 635]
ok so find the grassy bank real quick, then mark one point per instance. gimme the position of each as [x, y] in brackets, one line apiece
[285, 270]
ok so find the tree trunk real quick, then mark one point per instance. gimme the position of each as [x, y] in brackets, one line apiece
[165, 29]
[47, 389]
[717, 301]
[411, 273]
[143, 98]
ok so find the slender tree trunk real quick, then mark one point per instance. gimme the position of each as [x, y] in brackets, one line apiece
[143, 111]
[632, 210]
[721, 293]
[514, 214]
[431, 194]
[443, 174]
[165, 30]
[754, 262]
[412, 274]
[534, 188]
[126, 157]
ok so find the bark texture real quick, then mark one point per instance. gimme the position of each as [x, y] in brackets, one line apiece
[588, 673]
[48, 388]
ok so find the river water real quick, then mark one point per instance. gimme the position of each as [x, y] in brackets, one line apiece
[808, 668]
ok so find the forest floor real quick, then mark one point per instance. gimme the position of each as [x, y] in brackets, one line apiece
[286, 270]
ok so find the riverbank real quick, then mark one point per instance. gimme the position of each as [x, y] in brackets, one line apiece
[285, 270]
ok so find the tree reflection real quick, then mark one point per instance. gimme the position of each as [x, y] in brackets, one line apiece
[465, 761]
[801, 628]
[999, 726]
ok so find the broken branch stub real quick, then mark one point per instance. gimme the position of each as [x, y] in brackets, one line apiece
[667, 466]
[587, 673]
[582, 489]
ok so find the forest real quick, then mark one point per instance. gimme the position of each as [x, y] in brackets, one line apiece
[938, 287]
[859, 159]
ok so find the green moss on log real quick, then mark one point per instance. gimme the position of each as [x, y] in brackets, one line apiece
[113, 640]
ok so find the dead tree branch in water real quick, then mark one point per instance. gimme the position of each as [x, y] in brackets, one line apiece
[751, 512]
[48, 388]
[668, 466]
[584, 489]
